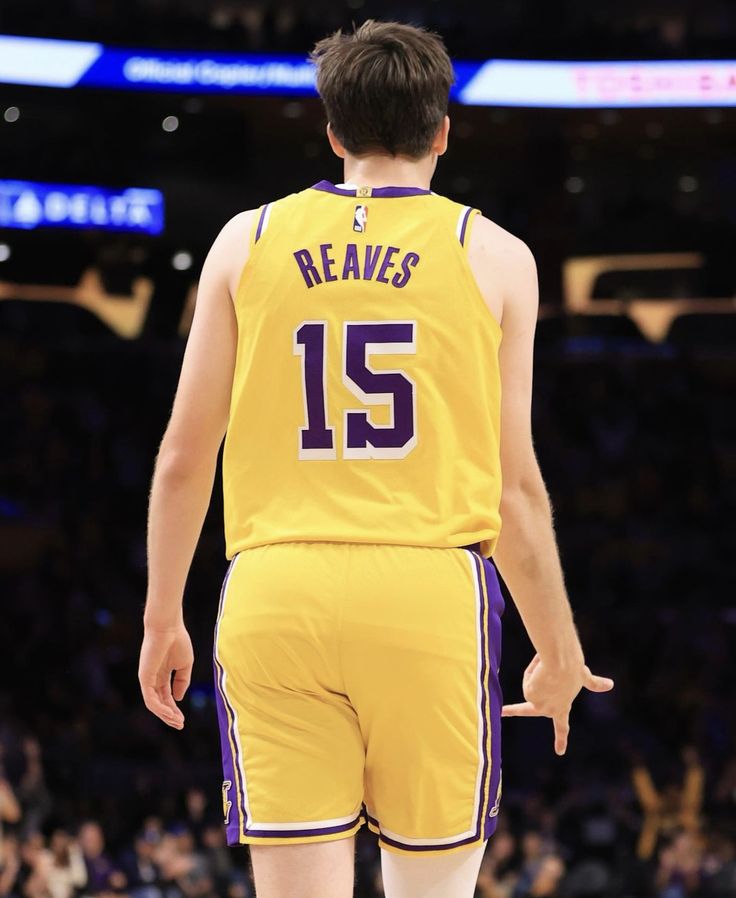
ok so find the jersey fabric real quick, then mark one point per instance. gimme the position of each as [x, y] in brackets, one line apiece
[359, 684]
[365, 405]
[358, 639]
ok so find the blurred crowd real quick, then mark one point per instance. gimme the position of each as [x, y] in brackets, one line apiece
[612, 840]
[637, 444]
[98, 798]
[474, 30]
[44, 857]
[606, 839]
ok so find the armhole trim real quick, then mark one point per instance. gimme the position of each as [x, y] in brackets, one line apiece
[463, 224]
[263, 220]
[465, 221]
[257, 227]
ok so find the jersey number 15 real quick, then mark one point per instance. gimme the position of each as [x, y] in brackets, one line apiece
[395, 389]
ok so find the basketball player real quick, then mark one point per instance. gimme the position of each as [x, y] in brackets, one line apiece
[366, 350]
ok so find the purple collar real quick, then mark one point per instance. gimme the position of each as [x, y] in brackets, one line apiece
[329, 187]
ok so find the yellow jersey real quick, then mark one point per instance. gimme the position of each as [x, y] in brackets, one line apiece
[365, 404]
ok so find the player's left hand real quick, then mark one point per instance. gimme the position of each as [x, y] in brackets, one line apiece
[165, 652]
[550, 692]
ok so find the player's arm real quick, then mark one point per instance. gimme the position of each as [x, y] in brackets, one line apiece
[526, 553]
[185, 470]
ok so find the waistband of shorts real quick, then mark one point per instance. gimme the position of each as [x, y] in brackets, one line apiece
[471, 547]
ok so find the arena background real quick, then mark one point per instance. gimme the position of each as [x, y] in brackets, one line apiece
[630, 213]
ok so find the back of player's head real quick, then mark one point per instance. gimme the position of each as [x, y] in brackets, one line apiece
[385, 87]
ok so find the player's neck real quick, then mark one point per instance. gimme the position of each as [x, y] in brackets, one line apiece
[389, 171]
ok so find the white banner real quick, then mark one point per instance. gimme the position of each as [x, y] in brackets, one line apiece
[602, 84]
[45, 63]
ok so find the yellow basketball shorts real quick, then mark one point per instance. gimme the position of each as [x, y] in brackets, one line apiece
[359, 683]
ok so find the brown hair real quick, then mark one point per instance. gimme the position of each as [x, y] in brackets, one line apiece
[384, 87]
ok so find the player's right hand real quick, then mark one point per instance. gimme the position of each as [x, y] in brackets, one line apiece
[550, 692]
[165, 653]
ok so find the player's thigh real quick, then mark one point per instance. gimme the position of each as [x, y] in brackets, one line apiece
[322, 870]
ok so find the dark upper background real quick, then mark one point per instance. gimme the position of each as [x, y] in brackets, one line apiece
[672, 29]
[636, 440]
[229, 153]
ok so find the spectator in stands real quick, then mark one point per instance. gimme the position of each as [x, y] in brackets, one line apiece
[194, 880]
[33, 875]
[140, 867]
[498, 876]
[10, 810]
[10, 864]
[541, 870]
[64, 866]
[725, 791]
[32, 792]
[676, 807]
[196, 811]
[102, 874]
[219, 857]
[719, 864]
[680, 869]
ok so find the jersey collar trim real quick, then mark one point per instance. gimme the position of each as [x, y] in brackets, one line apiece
[329, 187]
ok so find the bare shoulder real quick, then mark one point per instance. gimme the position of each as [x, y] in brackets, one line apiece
[504, 267]
[230, 249]
[490, 240]
[239, 225]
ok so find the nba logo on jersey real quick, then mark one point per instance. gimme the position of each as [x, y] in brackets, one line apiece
[360, 218]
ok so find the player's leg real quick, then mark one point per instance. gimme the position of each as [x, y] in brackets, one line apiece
[437, 876]
[324, 870]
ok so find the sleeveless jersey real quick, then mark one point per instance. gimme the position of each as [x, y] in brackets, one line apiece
[365, 405]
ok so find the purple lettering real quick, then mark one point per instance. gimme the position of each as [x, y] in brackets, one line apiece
[371, 261]
[402, 279]
[306, 265]
[362, 438]
[327, 262]
[352, 266]
[316, 440]
[387, 263]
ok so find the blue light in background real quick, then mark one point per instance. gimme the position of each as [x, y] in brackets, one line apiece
[493, 82]
[33, 204]
[103, 617]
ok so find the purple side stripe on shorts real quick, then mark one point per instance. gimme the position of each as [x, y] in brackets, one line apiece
[464, 227]
[496, 603]
[297, 833]
[483, 623]
[261, 219]
[230, 764]
[491, 607]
